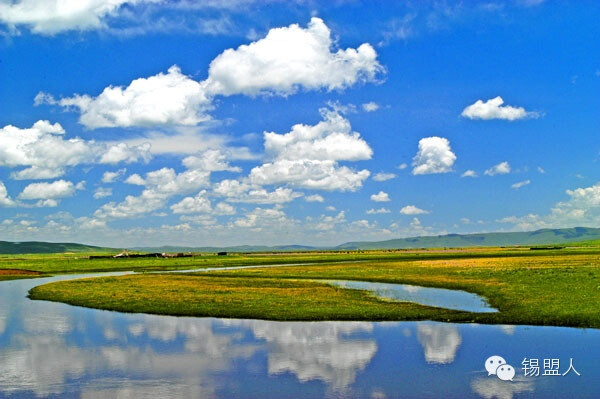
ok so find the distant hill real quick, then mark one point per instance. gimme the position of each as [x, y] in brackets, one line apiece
[39, 247]
[577, 236]
[538, 237]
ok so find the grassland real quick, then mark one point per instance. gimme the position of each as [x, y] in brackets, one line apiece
[544, 287]
[80, 263]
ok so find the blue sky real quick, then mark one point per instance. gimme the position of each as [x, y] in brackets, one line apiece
[155, 122]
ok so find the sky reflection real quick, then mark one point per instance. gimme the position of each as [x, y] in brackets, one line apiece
[51, 349]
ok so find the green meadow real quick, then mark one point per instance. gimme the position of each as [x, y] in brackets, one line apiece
[558, 287]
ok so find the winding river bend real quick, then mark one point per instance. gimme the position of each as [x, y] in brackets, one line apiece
[60, 351]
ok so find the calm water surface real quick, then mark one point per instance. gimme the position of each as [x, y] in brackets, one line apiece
[59, 351]
[437, 297]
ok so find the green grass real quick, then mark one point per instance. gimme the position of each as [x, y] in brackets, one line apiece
[560, 288]
[79, 263]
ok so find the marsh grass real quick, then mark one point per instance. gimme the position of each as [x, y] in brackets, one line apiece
[80, 263]
[545, 288]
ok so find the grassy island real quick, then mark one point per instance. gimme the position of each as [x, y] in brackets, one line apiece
[541, 287]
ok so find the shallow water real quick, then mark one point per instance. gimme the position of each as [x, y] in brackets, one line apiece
[437, 297]
[56, 350]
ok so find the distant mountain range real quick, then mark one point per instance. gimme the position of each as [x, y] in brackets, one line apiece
[530, 238]
[538, 237]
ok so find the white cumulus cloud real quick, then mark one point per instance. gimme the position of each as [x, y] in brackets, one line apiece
[434, 156]
[45, 152]
[102, 192]
[261, 218]
[5, 200]
[111, 177]
[370, 106]
[49, 17]
[413, 210]
[197, 204]
[493, 109]
[159, 186]
[381, 176]
[469, 173]
[381, 196]
[55, 190]
[162, 99]
[242, 191]
[580, 210]
[314, 198]
[289, 58]
[500, 169]
[374, 211]
[308, 156]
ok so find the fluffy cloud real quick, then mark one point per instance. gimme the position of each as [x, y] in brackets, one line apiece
[434, 156]
[55, 190]
[314, 198]
[163, 99]
[581, 209]
[469, 173]
[239, 191]
[374, 211]
[330, 140]
[111, 177]
[122, 152]
[584, 202]
[500, 169]
[42, 148]
[308, 156]
[318, 175]
[197, 204]
[163, 184]
[5, 200]
[285, 60]
[211, 160]
[223, 208]
[380, 197]
[493, 109]
[384, 176]
[187, 140]
[520, 184]
[102, 192]
[135, 179]
[49, 17]
[328, 223]
[281, 195]
[370, 106]
[412, 210]
[160, 185]
[261, 218]
[45, 153]
[289, 58]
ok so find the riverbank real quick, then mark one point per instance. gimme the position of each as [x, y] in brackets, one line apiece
[541, 288]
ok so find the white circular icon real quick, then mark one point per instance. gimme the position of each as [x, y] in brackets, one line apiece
[492, 363]
[505, 372]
